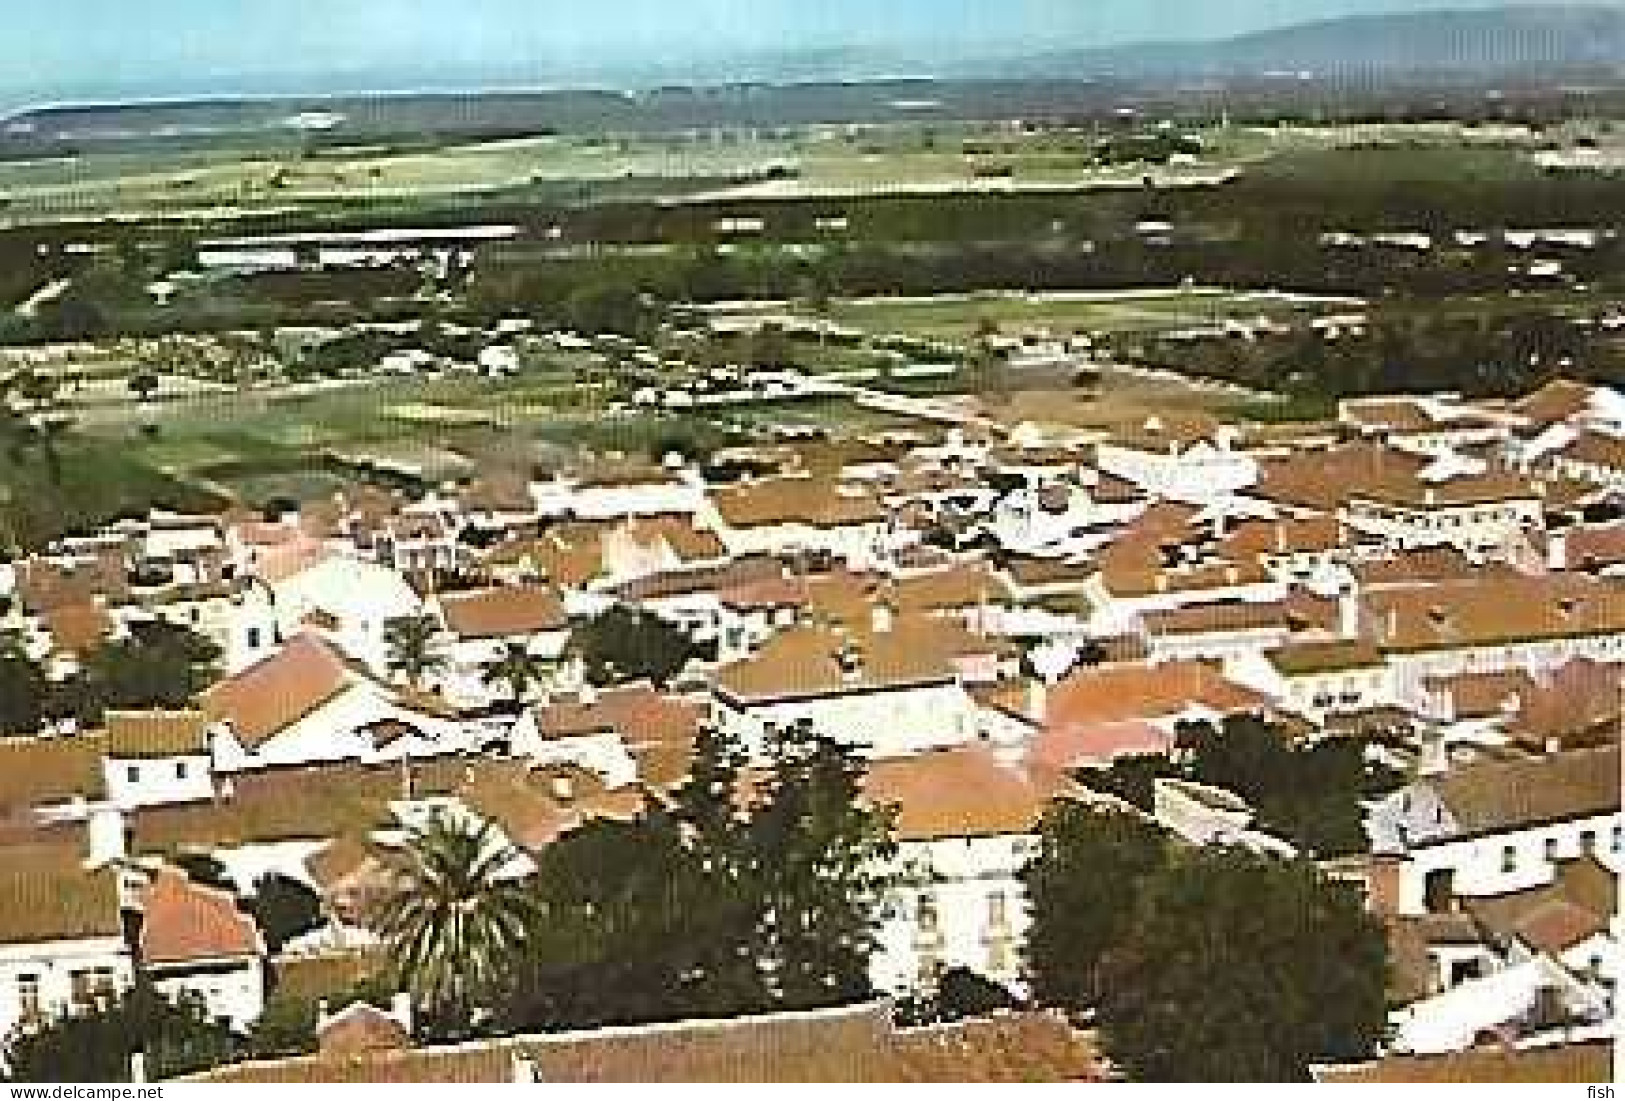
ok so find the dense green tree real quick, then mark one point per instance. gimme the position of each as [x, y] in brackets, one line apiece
[631, 928]
[959, 994]
[23, 693]
[716, 904]
[625, 644]
[177, 1037]
[1082, 884]
[457, 921]
[1239, 967]
[1310, 794]
[818, 863]
[284, 908]
[159, 666]
[205, 869]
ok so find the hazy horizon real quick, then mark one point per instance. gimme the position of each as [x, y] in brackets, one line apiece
[77, 50]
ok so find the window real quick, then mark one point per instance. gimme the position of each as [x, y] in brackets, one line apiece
[1551, 849]
[998, 913]
[28, 997]
[253, 638]
[133, 774]
[1588, 842]
[1617, 841]
[1509, 859]
[180, 770]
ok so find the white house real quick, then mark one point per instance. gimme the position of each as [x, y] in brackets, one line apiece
[157, 757]
[195, 940]
[308, 705]
[1319, 678]
[1192, 463]
[887, 692]
[351, 600]
[967, 823]
[482, 625]
[62, 945]
[1499, 827]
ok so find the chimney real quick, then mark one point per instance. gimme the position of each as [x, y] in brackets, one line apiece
[1038, 699]
[138, 1068]
[564, 789]
[107, 838]
[882, 615]
[1348, 614]
[1557, 551]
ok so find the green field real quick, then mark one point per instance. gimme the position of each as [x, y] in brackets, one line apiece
[821, 161]
[956, 319]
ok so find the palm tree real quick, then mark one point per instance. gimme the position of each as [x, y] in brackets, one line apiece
[456, 921]
[414, 648]
[518, 669]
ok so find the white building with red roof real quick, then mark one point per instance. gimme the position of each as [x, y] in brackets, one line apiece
[194, 940]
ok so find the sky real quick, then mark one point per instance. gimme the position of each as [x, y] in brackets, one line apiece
[77, 49]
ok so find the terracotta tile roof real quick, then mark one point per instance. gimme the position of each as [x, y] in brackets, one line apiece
[1029, 571]
[1483, 695]
[955, 589]
[1220, 617]
[1297, 535]
[768, 595]
[1500, 796]
[1559, 400]
[136, 734]
[567, 556]
[1327, 480]
[267, 698]
[813, 501]
[639, 714]
[1300, 659]
[512, 611]
[1578, 705]
[1597, 546]
[1555, 917]
[1597, 449]
[1411, 416]
[359, 1030]
[278, 805]
[1123, 693]
[845, 1045]
[532, 808]
[37, 772]
[1585, 1062]
[186, 922]
[1493, 612]
[1125, 580]
[1063, 747]
[706, 579]
[1417, 567]
[49, 895]
[962, 792]
[814, 661]
[1164, 432]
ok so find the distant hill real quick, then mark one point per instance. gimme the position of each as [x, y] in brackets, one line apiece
[1510, 39]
